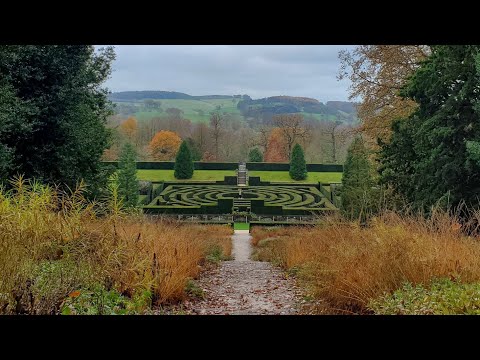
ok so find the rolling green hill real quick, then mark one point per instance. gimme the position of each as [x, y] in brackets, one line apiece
[145, 105]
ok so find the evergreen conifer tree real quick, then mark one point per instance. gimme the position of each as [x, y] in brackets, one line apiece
[298, 167]
[127, 176]
[183, 162]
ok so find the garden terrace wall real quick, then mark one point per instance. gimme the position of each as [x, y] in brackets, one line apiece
[263, 166]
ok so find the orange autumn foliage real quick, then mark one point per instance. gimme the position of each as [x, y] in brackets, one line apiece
[276, 147]
[208, 156]
[129, 127]
[164, 145]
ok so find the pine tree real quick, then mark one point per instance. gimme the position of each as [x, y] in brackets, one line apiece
[358, 197]
[255, 155]
[183, 163]
[431, 157]
[298, 167]
[127, 176]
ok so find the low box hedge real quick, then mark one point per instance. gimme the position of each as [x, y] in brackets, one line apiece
[260, 166]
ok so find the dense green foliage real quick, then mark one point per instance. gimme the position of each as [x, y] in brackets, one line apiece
[442, 297]
[127, 176]
[433, 155]
[358, 193]
[255, 155]
[183, 163]
[298, 166]
[53, 112]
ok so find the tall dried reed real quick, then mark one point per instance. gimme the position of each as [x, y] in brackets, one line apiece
[54, 243]
[346, 265]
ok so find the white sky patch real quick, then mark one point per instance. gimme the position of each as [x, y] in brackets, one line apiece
[256, 70]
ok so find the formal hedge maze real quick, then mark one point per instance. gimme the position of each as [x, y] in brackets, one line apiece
[224, 199]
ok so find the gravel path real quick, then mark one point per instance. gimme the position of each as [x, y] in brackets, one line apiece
[245, 287]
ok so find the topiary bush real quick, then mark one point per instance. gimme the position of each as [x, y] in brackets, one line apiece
[298, 166]
[183, 163]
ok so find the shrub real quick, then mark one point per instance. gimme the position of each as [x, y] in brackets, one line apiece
[255, 155]
[441, 297]
[183, 163]
[360, 199]
[298, 167]
[127, 176]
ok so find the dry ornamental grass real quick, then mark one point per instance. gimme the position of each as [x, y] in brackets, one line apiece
[53, 245]
[347, 266]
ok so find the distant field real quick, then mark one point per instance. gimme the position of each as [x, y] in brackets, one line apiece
[192, 109]
[167, 175]
[320, 116]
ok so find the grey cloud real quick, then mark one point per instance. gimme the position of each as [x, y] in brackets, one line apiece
[256, 70]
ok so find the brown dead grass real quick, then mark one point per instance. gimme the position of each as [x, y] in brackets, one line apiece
[347, 265]
[41, 228]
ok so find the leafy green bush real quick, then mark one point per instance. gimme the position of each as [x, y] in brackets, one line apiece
[360, 197]
[127, 176]
[255, 155]
[99, 301]
[443, 297]
[298, 166]
[183, 163]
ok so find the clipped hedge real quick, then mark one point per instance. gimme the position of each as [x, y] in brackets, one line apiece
[228, 180]
[143, 199]
[325, 192]
[219, 199]
[254, 166]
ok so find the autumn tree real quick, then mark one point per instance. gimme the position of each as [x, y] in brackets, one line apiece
[377, 73]
[217, 127]
[127, 176]
[200, 136]
[164, 145]
[183, 162]
[330, 130]
[264, 133]
[129, 128]
[208, 156]
[298, 166]
[292, 129]
[276, 147]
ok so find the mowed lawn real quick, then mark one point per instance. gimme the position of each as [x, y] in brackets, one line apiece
[285, 176]
[167, 175]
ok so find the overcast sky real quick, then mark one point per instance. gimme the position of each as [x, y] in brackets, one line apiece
[256, 70]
